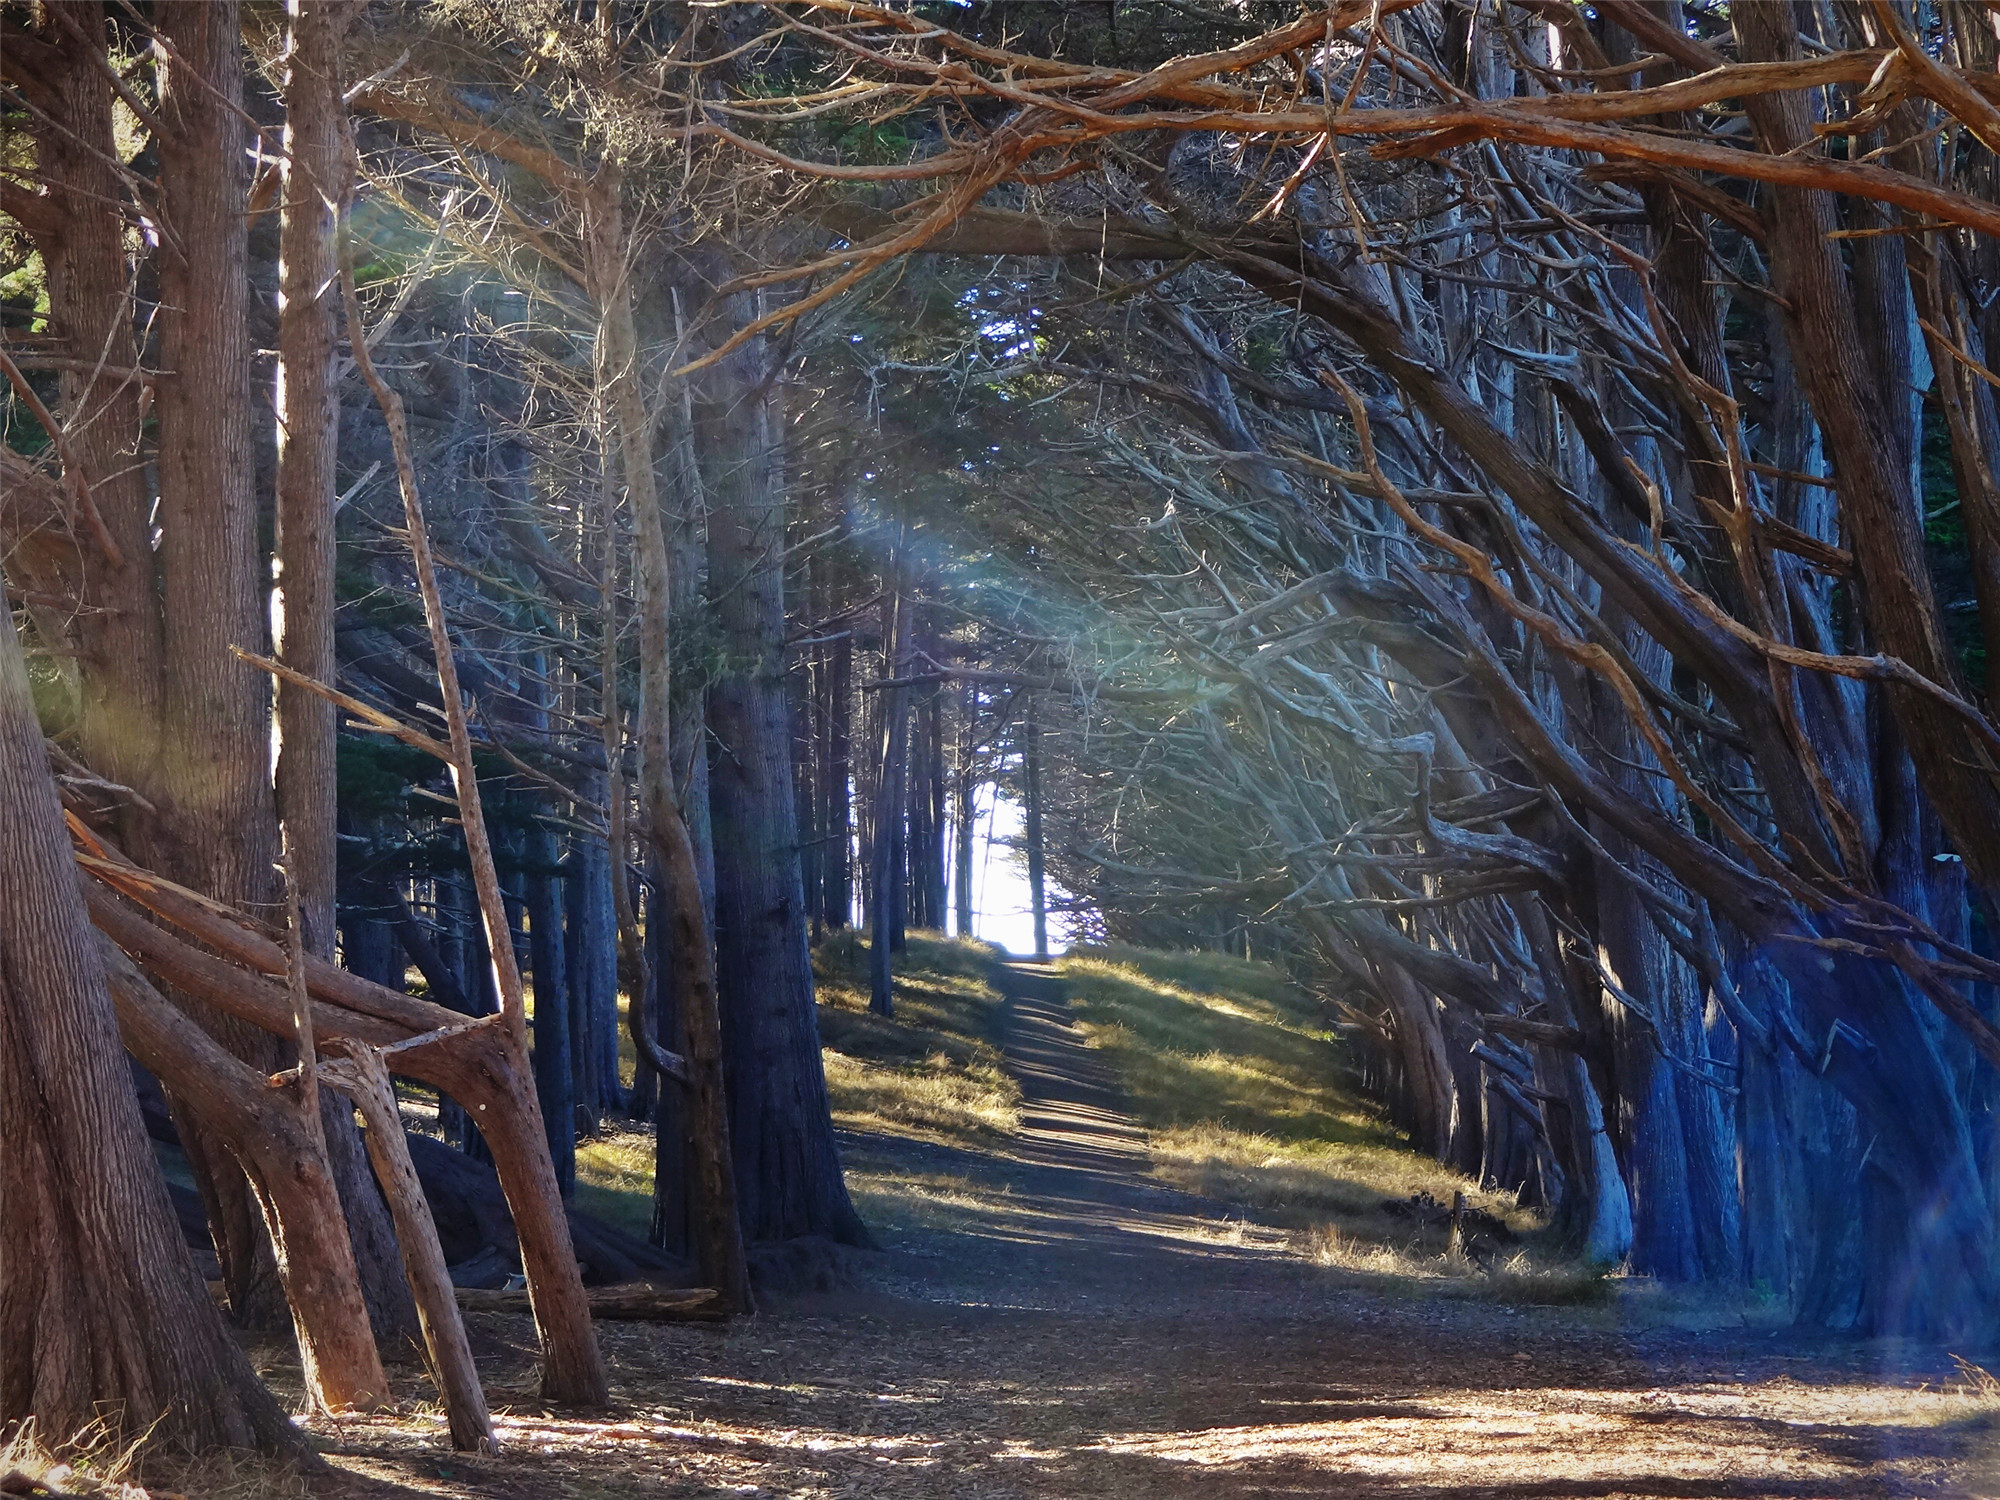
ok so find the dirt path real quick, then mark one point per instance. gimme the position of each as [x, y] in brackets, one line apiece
[1071, 1115]
[1048, 1323]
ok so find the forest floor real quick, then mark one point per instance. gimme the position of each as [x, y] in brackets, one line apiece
[1051, 1315]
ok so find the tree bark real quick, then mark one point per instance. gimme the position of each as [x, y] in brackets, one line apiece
[102, 1316]
[364, 1078]
[555, 1082]
[1031, 767]
[591, 950]
[218, 824]
[83, 250]
[836, 785]
[266, 1131]
[666, 830]
[886, 845]
[964, 815]
[308, 412]
[787, 1165]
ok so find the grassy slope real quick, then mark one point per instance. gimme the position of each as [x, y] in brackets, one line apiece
[1239, 1082]
[932, 1071]
[1227, 1064]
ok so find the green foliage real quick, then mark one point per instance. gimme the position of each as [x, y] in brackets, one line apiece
[54, 698]
[867, 143]
[24, 286]
[374, 775]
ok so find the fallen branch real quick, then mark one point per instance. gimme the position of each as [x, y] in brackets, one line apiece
[624, 1304]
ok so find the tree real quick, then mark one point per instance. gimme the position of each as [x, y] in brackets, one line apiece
[1401, 572]
[102, 1315]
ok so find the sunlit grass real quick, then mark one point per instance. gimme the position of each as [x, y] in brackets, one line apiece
[1349, 1179]
[898, 1202]
[1200, 1039]
[934, 1069]
[1244, 1092]
[614, 1176]
[932, 1072]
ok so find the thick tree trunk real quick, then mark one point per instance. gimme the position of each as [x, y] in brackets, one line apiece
[102, 1316]
[677, 1173]
[83, 250]
[308, 413]
[666, 829]
[787, 1166]
[308, 430]
[217, 829]
[591, 951]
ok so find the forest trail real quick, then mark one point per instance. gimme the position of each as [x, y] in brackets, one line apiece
[1071, 1113]
[1046, 1322]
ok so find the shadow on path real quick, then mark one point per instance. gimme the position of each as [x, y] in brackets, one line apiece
[1071, 1112]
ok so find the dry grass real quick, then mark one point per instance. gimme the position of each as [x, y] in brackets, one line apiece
[1350, 1179]
[614, 1175]
[933, 1070]
[1242, 1089]
[97, 1465]
[92, 1463]
[900, 1202]
[1416, 1264]
[1203, 1040]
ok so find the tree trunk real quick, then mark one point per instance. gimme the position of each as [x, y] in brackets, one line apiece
[781, 1127]
[267, 1133]
[83, 250]
[218, 824]
[365, 1079]
[885, 864]
[591, 950]
[666, 830]
[308, 412]
[836, 787]
[964, 816]
[308, 431]
[1426, 1065]
[555, 1083]
[1031, 766]
[102, 1316]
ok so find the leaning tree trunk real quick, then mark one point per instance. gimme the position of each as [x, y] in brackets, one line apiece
[102, 1315]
